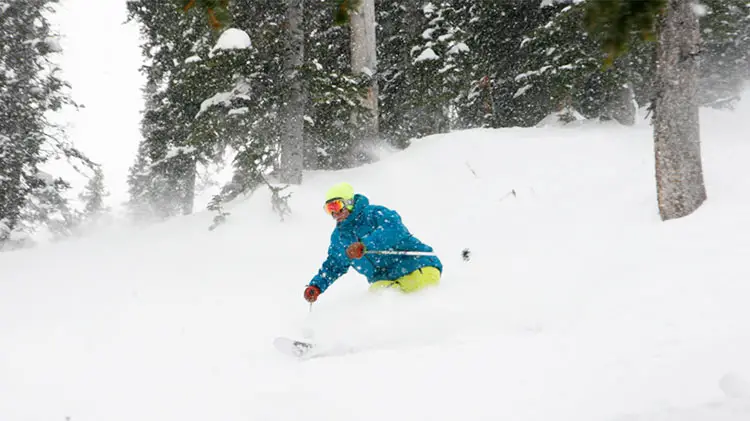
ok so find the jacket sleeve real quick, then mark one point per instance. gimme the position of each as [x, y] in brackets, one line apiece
[389, 230]
[334, 267]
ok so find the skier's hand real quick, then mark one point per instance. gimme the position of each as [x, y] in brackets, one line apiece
[355, 251]
[311, 293]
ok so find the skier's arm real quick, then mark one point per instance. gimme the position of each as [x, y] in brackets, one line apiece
[334, 267]
[389, 232]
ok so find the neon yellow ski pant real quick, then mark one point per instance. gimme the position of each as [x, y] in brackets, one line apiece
[420, 278]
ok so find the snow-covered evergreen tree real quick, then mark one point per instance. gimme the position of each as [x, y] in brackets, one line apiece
[30, 88]
[251, 106]
[47, 208]
[423, 67]
[563, 65]
[333, 93]
[246, 109]
[498, 33]
[174, 139]
[725, 58]
[93, 195]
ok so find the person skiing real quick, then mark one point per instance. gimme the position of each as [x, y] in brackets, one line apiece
[362, 231]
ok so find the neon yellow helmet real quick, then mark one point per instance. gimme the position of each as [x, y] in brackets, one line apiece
[343, 191]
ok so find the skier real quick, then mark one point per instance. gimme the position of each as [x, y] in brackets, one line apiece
[362, 230]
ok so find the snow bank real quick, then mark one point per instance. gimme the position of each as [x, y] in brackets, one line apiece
[578, 302]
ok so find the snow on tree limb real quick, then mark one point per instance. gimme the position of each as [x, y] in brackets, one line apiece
[459, 47]
[427, 54]
[232, 39]
[522, 90]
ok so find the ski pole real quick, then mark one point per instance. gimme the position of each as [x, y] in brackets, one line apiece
[402, 253]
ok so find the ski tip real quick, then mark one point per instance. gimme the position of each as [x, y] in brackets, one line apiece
[292, 347]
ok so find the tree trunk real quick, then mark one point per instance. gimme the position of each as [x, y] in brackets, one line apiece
[364, 61]
[12, 196]
[310, 153]
[623, 108]
[679, 174]
[188, 199]
[292, 142]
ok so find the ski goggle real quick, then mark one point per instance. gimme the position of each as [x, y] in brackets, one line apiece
[334, 205]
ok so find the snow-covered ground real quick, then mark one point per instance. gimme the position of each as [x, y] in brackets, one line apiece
[578, 303]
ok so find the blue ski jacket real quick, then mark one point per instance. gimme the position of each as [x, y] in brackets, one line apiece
[378, 228]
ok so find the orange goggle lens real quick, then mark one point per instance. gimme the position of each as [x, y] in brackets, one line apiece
[335, 205]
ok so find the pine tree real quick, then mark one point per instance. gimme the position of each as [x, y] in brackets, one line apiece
[330, 92]
[725, 50]
[396, 31]
[440, 64]
[530, 59]
[319, 87]
[93, 195]
[30, 88]
[569, 75]
[176, 88]
[245, 105]
[48, 209]
[246, 110]
[498, 35]
[481, 21]
[561, 67]
[423, 66]
[333, 93]
[140, 205]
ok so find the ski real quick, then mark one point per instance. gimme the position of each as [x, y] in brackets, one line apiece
[293, 347]
[307, 350]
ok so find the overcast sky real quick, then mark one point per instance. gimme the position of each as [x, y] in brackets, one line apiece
[101, 58]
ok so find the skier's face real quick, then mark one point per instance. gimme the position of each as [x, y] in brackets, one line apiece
[337, 209]
[340, 215]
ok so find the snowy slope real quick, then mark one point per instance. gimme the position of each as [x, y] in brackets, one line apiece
[578, 302]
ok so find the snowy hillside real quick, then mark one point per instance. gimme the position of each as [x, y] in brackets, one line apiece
[578, 303]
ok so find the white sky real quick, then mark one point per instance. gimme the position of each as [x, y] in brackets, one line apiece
[101, 58]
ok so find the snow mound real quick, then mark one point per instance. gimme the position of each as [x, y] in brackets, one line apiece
[734, 386]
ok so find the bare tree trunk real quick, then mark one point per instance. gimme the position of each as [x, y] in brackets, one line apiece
[364, 61]
[679, 174]
[292, 142]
